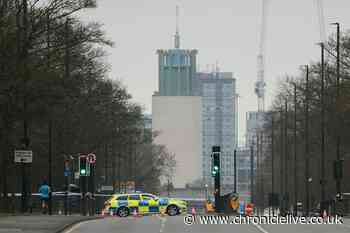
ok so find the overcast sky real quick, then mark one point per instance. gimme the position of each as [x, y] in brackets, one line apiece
[226, 31]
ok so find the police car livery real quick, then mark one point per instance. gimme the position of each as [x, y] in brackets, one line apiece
[144, 203]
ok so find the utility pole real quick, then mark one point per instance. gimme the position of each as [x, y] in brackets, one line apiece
[338, 179]
[66, 183]
[307, 155]
[67, 50]
[119, 171]
[50, 166]
[295, 152]
[50, 120]
[258, 172]
[262, 173]
[92, 189]
[113, 150]
[114, 165]
[67, 76]
[235, 169]
[106, 163]
[286, 196]
[272, 163]
[252, 174]
[83, 193]
[25, 140]
[323, 168]
[281, 160]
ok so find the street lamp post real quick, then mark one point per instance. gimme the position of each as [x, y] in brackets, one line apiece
[307, 159]
[281, 160]
[295, 151]
[286, 196]
[272, 163]
[252, 198]
[338, 179]
[258, 172]
[262, 172]
[322, 181]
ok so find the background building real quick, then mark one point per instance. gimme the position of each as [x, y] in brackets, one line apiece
[194, 112]
[243, 173]
[219, 122]
[255, 121]
[178, 121]
[177, 68]
[147, 121]
[251, 127]
[176, 113]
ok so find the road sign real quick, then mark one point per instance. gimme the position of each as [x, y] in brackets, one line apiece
[23, 156]
[106, 188]
[76, 175]
[67, 173]
[91, 158]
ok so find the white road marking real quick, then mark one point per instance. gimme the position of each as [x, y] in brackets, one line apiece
[74, 227]
[11, 230]
[162, 225]
[260, 228]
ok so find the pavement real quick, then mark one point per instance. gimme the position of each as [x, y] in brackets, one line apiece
[155, 224]
[38, 223]
[146, 224]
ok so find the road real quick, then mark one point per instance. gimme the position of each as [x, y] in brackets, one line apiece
[157, 224]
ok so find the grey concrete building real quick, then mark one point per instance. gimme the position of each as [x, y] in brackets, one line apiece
[243, 173]
[251, 128]
[219, 122]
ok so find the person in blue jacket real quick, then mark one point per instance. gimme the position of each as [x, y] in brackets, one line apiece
[44, 191]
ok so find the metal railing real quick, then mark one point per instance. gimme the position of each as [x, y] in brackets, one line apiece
[76, 204]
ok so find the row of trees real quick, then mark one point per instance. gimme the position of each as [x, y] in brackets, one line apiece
[294, 133]
[56, 99]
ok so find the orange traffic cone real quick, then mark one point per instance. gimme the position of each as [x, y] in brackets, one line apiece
[193, 211]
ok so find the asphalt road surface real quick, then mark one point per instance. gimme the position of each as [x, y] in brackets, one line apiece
[155, 224]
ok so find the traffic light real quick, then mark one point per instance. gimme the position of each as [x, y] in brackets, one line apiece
[216, 174]
[215, 164]
[215, 170]
[84, 166]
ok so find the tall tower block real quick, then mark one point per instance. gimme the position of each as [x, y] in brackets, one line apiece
[177, 67]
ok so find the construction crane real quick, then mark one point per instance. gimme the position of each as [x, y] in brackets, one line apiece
[321, 23]
[260, 83]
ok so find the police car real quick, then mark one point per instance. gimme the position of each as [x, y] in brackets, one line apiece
[144, 203]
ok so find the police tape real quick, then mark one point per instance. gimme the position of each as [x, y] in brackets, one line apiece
[57, 194]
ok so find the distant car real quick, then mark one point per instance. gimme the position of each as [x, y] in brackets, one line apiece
[144, 203]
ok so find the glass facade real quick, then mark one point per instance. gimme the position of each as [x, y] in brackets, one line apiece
[177, 67]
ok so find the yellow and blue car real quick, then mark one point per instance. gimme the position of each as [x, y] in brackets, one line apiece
[144, 203]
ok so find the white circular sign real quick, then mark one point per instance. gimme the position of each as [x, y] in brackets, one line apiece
[91, 158]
